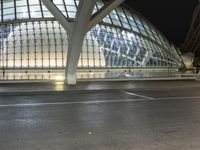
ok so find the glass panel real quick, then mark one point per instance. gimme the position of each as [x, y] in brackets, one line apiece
[46, 12]
[35, 9]
[115, 18]
[8, 10]
[131, 21]
[123, 18]
[71, 8]
[0, 13]
[61, 6]
[21, 9]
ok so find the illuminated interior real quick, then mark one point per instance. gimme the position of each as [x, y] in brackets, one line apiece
[31, 39]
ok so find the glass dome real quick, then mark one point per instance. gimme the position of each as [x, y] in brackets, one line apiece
[31, 38]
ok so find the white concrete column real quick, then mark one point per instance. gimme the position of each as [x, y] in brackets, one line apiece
[79, 31]
[85, 21]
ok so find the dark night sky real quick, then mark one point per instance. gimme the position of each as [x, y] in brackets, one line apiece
[171, 17]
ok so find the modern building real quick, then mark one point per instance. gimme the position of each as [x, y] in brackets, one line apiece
[32, 39]
[192, 41]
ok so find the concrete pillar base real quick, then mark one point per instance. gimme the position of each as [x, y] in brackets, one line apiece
[70, 79]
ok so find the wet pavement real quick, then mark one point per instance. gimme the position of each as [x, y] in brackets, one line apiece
[139, 115]
[27, 86]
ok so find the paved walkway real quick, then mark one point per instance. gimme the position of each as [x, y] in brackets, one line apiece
[91, 86]
[147, 115]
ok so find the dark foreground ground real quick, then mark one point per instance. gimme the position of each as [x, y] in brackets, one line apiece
[142, 115]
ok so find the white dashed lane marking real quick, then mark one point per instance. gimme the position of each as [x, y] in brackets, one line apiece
[138, 95]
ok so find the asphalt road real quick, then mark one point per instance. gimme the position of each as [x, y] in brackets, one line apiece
[114, 119]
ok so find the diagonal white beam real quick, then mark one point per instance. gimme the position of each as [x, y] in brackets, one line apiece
[103, 12]
[58, 15]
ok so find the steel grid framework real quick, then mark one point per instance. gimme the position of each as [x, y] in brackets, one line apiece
[33, 39]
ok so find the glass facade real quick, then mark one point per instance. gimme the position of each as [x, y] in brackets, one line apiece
[31, 39]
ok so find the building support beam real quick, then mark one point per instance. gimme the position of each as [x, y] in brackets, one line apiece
[103, 12]
[193, 28]
[84, 22]
[58, 15]
[77, 30]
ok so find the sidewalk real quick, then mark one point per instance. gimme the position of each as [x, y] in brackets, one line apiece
[42, 87]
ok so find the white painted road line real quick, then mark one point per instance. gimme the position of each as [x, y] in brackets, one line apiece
[97, 102]
[178, 98]
[134, 94]
[69, 103]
